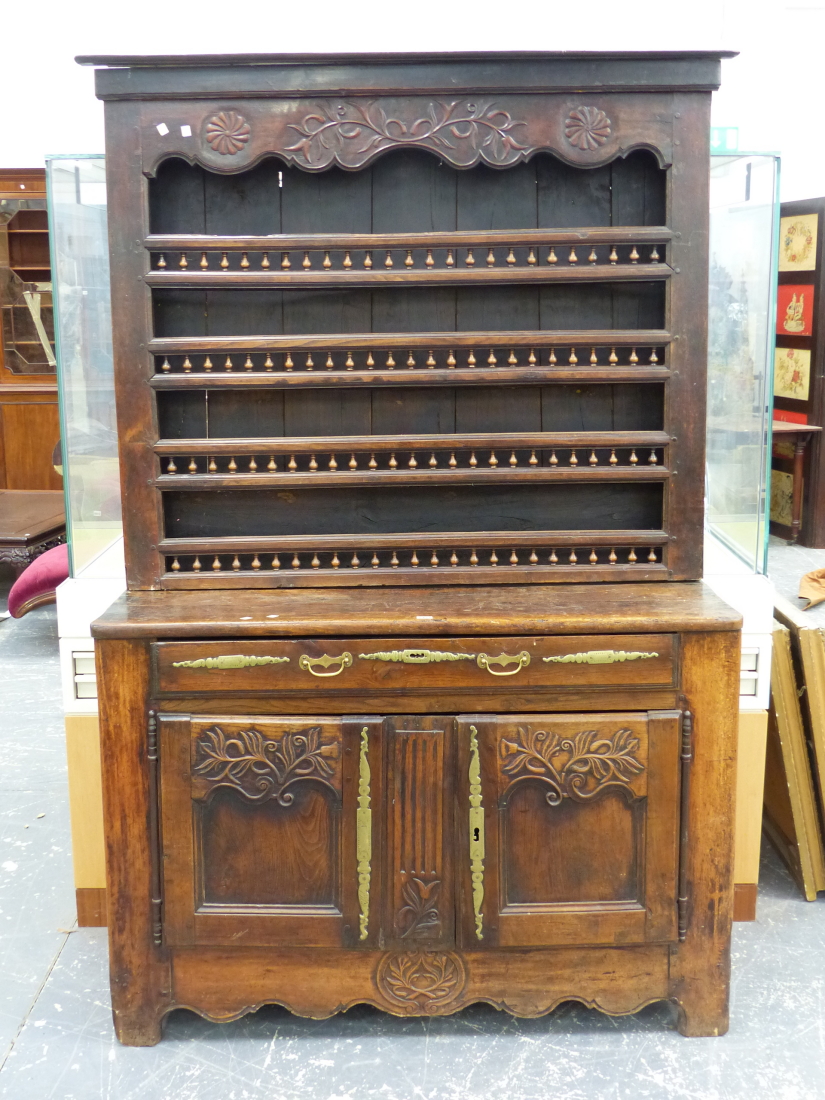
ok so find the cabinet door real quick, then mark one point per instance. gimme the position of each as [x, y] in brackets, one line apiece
[569, 828]
[264, 825]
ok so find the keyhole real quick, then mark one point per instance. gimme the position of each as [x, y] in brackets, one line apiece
[475, 834]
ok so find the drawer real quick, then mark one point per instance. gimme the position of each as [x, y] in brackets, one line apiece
[410, 664]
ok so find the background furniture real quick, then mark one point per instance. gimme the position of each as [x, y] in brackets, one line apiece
[430, 339]
[799, 436]
[29, 524]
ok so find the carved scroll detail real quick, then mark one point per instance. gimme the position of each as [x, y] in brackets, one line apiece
[421, 981]
[416, 656]
[578, 767]
[231, 660]
[351, 133]
[599, 657]
[261, 768]
[363, 829]
[476, 833]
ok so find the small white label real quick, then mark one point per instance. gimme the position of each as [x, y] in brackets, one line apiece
[425, 616]
[273, 616]
[186, 131]
[245, 618]
[162, 129]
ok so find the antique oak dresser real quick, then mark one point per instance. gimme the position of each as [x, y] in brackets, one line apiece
[416, 697]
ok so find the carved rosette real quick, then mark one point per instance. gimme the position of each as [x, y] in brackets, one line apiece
[421, 982]
[587, 128]
[227, 132]
[579, 767]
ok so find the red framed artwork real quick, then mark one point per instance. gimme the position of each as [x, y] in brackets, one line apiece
[794, 310]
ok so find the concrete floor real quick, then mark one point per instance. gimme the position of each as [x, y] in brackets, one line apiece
[57, 1042]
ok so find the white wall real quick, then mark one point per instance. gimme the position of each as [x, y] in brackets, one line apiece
[770, 92]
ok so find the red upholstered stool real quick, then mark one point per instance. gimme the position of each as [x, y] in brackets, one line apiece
[36, 584]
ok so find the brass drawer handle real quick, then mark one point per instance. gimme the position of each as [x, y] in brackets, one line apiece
[599, 657]
[230, 660]
[416, 656]
[306, 663]
[522, 660]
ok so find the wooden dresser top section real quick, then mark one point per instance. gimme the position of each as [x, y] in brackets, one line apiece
[500, 609]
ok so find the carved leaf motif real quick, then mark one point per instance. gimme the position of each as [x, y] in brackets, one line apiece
[227, 132]
[587, 128]
[422, 980]
[350, 133]
[420, 913]
[579, 767]
[260, 767]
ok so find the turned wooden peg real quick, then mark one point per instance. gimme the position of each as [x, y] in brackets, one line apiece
[390, 360]
[332, 464]
[492, 460]
[175, 565]
[213, 466]
[451, 359]
[491, 359]
[326, 263]
[653, 460]
[594, 359]
[612, 557]
[573, 258]
[654, 255]
[288, 364]
[207, 364]
[182, 262]
[552, 258]
[394, 560]
[216, 564]
[336, 561]
[631, 557]
[513, 459]
[573, 460]
[511, 257]
[572, 359]
[512, 361]
[552, 359]
[513, 558]
[388, 260]
[248, 364]
[634, 255]
[572, 558]
[224, 261]
[534, 558]
[470, 260]
[613, 358]
[491, 257]
[533, 461]
[434, 559]
[433, 463]
[372, 464]
[233, 465]
[454, 559]
[204, 262]
[244, 260]
[316, 562]
[272, 465]
[370, 360]
[633, 459]
[347, 263]
[193, 466]
[349, 363]
[268, 364]
[531, 257]
[651, 557]
[429, 262]
[414, 560]
[473, 558]
[471, 358]
[410, 360]
[408, 259]
[413, 465]
[285, 264]
[450, 261]
[453, 461]
[306, 262]
[614, 255]
[473, 459]
[430, 360]
[493, 558]
[165, 367]
[276, 562]
[353, 462]
[594, 558]
[265, 261]
[553, 460]
[309, 363]
[593, 460]
[592, 258]
[161, 261]
[330, 363]
[292, 465]
[171, 468]
[553, 559]
[368, 260]
[634, 358]
[187, 365]
[613, 460]
[228, 363]
[196, 565]
[296, 561]
[393, 462]
[654, 358]
[375, 561]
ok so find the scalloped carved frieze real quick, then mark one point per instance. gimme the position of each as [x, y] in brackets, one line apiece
[316, 133]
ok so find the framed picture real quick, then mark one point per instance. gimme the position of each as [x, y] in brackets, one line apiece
[797, 242]
[792, 373]
[794, 310]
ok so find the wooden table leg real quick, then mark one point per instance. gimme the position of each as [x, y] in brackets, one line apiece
[796, 506]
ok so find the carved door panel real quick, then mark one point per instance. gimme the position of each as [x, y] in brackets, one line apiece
[570, 828]
[419, 898]
[266, 829]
